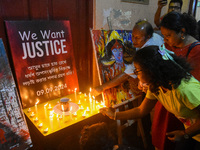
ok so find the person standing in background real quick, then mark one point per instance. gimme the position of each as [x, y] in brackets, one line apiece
[174, 5]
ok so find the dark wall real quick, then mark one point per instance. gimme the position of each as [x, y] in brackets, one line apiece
[80, 14]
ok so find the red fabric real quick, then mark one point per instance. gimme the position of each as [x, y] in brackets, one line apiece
[193, 57]
[163, 120]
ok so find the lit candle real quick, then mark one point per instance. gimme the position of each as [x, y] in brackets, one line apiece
[36, 119]
[29, 110]
[51, 120]
[63, 113]
[79, 102]
[46, 130]
[93, 102]
[87, 109]
[75, 114]
[70, 113]
[90, 93]
[40, 125]
[32, 114]
[45, 110]
[84, 114]
[75, 94]
[49, 108]
[90, 99]
[81, 108]
[58, 120]
[36, 106]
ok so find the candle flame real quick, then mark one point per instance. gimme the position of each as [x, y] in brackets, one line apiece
[71, 108]
[84, 113]
[45, 104]
[40, 125]
[75, 89]
[88, 109]
[62, 107]
[93, 97]
[37, 102]
[90, 89]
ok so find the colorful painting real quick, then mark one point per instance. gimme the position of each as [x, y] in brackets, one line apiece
[113, 50]
[42, 53]
[14, 133]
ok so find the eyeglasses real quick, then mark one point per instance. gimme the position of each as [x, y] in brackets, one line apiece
[136, 71]
[174, 7]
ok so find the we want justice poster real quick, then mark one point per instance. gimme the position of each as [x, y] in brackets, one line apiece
[43, 58]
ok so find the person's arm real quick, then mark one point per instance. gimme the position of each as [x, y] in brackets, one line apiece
[134, 113]
[112, 83]
[158, 12]
[189, 132]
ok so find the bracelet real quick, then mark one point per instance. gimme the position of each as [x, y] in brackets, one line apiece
[115, 115]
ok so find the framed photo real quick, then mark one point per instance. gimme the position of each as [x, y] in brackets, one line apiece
[145, 2]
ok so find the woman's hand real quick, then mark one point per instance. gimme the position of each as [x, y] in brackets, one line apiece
[108, 112]
[96, 91]
[175, 135]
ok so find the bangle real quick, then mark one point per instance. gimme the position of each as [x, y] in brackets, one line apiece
[115, 115]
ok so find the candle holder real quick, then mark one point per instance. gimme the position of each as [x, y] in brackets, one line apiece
[81, 108]
[46, 130]
[79, 102]
[32, 115]
[36, 119]
[40, 125]
[75, 114]
[29, 110]
[49, 108]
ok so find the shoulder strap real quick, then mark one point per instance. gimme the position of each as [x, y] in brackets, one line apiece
[191, 47]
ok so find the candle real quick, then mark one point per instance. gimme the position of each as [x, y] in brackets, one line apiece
[75, 114]
[32, 114]
[36, 119]
[45, 130]
[49, 108]
[90, 93]
[36, 106]
[40, 125]
[63, 113]
[70, 113]
[87, 109]
[79, 102]
[93, 102]
[84, 114]
[29, 110]
[58, 120]
[51, 122]
[45, 110]
[75, 94]
[81, 108]
[60, 117]
[90, 99]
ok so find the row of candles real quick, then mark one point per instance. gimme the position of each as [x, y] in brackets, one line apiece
[94, 105]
